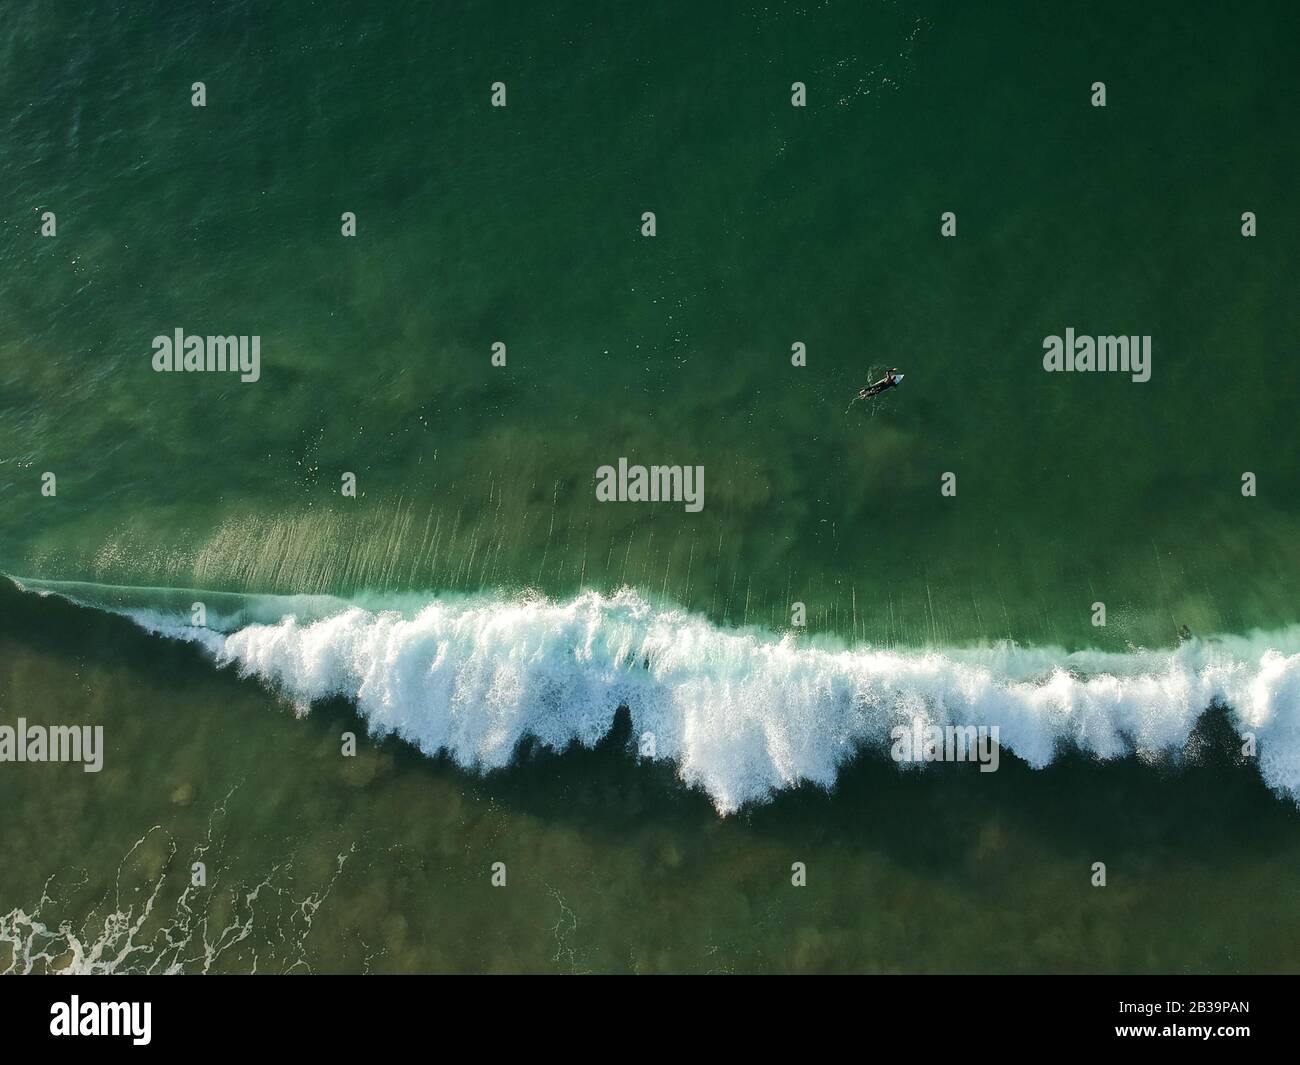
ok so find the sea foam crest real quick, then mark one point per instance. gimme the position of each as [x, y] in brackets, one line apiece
[744, 713]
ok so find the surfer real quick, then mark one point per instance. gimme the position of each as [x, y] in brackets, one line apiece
[890, 380]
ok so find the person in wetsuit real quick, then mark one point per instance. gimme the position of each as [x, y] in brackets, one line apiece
[890, 380]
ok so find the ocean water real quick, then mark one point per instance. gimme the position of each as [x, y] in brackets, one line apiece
[614, 699]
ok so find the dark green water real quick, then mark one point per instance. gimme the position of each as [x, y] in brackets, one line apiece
[775, 225]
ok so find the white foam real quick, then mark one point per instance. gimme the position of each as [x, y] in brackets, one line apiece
[745, 713]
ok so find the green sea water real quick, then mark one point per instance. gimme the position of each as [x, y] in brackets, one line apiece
[775, 225]
[382, 863]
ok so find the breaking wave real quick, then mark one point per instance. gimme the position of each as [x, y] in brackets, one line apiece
[742, 713]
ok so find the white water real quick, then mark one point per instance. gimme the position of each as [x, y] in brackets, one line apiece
[741, 713]
[142, 926]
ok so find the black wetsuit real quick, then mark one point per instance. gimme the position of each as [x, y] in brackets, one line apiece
[889, 382]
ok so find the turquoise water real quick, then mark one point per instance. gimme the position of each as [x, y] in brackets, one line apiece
[475, 599]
